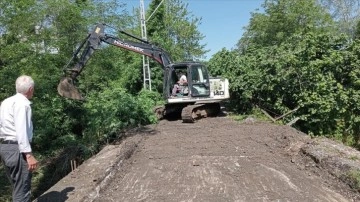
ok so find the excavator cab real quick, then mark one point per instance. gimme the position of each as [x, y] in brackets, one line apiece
[199, 79]
[196, 81]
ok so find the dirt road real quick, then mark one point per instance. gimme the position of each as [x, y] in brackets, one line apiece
[213, 160]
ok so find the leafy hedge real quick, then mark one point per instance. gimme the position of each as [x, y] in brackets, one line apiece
[110, 111]
[316, 74]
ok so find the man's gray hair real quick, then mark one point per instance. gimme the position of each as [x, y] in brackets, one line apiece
[23, 83]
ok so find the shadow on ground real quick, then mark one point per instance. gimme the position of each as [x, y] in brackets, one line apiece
[56, 196]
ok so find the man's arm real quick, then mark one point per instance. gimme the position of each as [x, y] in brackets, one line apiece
[22, 119]
[22, 126]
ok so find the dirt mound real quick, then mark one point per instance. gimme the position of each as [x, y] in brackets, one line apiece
[338, 160]
[215, 159]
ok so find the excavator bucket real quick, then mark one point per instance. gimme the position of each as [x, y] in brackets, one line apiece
[66, 88]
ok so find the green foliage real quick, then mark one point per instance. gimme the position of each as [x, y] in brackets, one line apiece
[354, 176]
[287, 60]
[345, 13]
[241, 75]
[282, 19]
[254, 114]
[109, 65]
[174, 28]
[5, 191]
[37, 38]
[113, 110]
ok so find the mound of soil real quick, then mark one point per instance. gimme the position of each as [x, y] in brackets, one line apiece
[214, 159]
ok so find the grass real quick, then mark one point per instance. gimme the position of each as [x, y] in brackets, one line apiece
[354, 158]
[5, 187]
[51, 170]
[355, 177]
[255, 113]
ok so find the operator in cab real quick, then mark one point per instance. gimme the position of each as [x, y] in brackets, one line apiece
[180, 85]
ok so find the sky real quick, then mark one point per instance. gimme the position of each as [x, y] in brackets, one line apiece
[222, 23]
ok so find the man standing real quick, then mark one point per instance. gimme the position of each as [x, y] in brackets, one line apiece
[16, 133]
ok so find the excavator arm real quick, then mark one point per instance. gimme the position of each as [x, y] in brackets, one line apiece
[75, 66]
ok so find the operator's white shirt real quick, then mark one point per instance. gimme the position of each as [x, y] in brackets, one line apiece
[15, 119]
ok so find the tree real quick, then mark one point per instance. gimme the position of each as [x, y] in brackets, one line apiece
[346, 14]
[174, 28]
[37, 38]
[282, 19]
[291, 59]
[169, 26]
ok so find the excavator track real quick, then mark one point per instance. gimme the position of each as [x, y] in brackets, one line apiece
[192, 113]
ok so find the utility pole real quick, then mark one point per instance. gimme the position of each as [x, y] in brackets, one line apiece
[146, 66]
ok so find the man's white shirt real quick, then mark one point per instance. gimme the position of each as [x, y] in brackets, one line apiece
[15, 120]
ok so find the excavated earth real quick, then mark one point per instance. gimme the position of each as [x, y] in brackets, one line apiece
[214, 160]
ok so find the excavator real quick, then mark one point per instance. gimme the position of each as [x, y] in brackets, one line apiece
[200, 96]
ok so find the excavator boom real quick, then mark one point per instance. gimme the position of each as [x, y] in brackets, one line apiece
[67, 87]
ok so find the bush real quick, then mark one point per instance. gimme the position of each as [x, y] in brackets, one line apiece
[113, 110]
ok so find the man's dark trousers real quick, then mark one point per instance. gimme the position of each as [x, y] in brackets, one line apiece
[16, 169]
